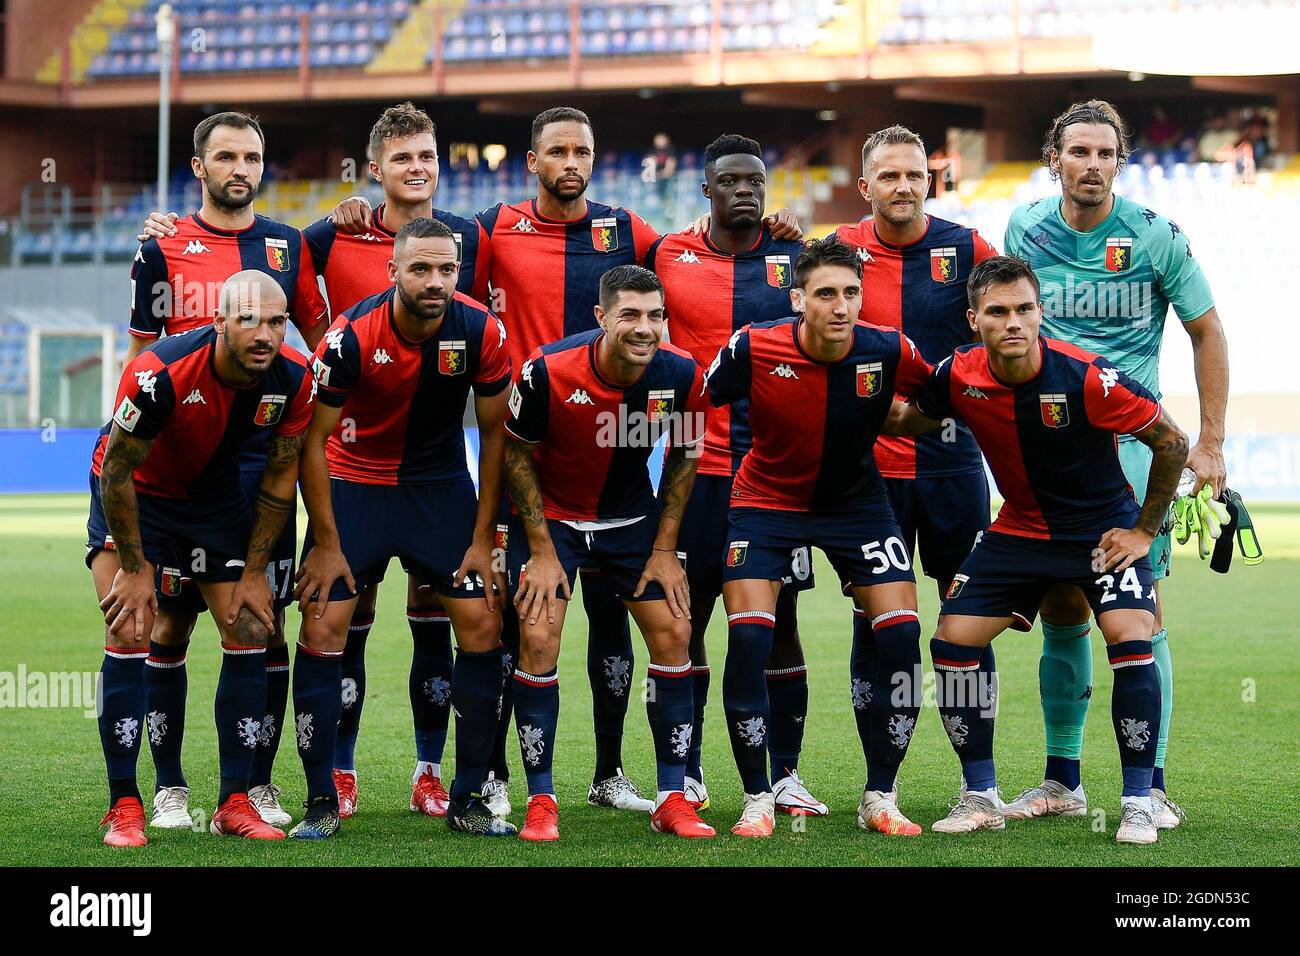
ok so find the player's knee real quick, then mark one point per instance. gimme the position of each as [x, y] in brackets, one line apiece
[171, 628]
[322, 634]
[248, 631]
[479, 630]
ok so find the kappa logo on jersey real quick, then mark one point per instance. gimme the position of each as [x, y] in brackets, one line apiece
[195, 398]
[1055, 410]
[782, 371]
[954, 589]
[451, 357]
[321, 370]
[1119, 255]
[778, 272]
[171, 581]
[1109, 378]
[864, 255]
[277, 254]
[334, 340]
[382, 357]
[974, 392]
[192, 248]
[526, 373]
[269, 409]
[604, 234]
[659, 405]
[524, 225]
[145, 380]
[368, 237]
[688, 257]
[579, 397]
[736, 552]
[870, 377]
[501, 335]
[943, 264]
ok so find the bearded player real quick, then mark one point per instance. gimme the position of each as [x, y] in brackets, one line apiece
[1110, 269]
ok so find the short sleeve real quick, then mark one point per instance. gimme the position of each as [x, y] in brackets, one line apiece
[337, 363]
[300, 408]
[935, 399]
[983, 248]
[1117, 403]
[145, 396]
[1179, 274]
[308, 306]
[151, 291]
[530, 398]
[695, 412]
[494, 359]
[652, 254]
[1015, 232]
[913, 371]
[644, 236]
[320, 237]
[729, 376]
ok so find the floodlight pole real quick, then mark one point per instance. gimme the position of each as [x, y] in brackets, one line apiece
[166, 32]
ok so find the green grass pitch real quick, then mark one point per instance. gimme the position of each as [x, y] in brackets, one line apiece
[1231, 762]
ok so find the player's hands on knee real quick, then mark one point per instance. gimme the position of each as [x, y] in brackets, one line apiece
[480, 561]
[666, 568]
[158, 226]
[1120, 547]
[352, 215]
[538, 582]
[131, 600]
[1207, 461]
[320, 569]
[253, 591]
[784, 224]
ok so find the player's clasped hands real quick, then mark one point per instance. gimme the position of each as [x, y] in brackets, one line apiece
[132, 597]
[479, 562]
[1120, 547]
[666, 568]
[538, 582]
[320, 569]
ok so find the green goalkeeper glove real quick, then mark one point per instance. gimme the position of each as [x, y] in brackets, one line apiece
[1198, 514]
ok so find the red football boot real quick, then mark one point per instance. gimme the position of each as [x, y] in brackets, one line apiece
[125, 823]
[542, 822]
[677, 817]
[345, 782]
[428, 795]
[238, 817]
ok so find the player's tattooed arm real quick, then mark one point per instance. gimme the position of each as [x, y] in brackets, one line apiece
[1120, 547]
[324, 564]
[526, 488]
[663, 564]
[545, 575]
[124, 454]
[252, 599]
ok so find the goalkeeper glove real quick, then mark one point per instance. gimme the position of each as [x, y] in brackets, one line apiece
[1198, 514]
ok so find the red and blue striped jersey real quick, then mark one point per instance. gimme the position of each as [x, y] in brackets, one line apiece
[355, 267]
[404, 402]
[171, 393]
[545, 275]
[176, 282]
[594, 437]
[1051, 441]
[709, 294]
[920, 288]
[813, 422]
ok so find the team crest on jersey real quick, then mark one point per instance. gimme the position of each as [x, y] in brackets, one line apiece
[659, 405]
[954, 589]
[1055, 410]
[870, 376]
[269, 409]
[502, 538]
[171, 582]
[277, 254]
[1119, 255]
[736, 552]
[943, 264]
[604, 234]
[451, 357]
[778, 272]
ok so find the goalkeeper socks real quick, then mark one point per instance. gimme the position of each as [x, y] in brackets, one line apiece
[1165, 671]
[121, 717]
[475, 695]
[316, 707]
[787, 698]
[668, 706]
[744, 694]
[699, 697]
[896, 705]
[961, 692]
[429, 683]
[862, 677]
[1135, 712]
[1065, 687]
[165, 688]
[609, 669]
[537, 711]
[241, 704]
[352, 677]
[277, 698]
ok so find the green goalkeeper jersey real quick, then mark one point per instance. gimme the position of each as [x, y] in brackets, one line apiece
[1109, 290]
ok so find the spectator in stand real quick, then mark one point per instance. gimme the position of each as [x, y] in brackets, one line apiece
[1257, 137]
[1217, 135]
[1161, 132]
[660, 166]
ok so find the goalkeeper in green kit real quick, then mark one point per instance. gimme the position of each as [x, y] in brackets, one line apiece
[1110, 269]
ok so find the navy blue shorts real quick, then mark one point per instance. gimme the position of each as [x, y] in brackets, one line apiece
[864, 546]
[703, 539]
[185, 540]
[1008, 576]
[428, 527]
[618, 554]
[941, 515]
